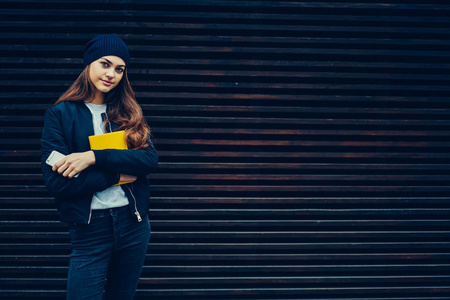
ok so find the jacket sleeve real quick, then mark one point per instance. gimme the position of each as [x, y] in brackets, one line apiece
[136, 162]
[89, 181]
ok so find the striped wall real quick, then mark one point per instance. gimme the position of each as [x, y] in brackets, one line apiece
[304, 146]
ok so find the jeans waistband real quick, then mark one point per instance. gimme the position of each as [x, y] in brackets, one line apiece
[96, 213]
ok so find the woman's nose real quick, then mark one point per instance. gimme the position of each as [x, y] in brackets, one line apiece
[110, 73]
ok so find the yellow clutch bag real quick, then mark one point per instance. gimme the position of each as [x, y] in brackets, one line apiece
[112, 140]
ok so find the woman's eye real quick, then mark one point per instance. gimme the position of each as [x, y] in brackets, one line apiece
[120, 70]
[104, 64]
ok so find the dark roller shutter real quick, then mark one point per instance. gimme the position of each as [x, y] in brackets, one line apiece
[304, 146]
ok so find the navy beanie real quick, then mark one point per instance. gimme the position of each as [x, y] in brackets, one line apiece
[103, 45]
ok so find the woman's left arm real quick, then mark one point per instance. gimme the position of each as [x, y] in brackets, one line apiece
[137, 162]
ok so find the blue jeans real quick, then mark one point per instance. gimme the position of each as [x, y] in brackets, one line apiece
[107, 255]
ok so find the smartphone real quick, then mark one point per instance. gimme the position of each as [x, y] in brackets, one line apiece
[54, 157]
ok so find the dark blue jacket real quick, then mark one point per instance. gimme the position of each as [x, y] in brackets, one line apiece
[66, 129]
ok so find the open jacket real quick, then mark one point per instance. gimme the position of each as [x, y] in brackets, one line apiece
[66, 129]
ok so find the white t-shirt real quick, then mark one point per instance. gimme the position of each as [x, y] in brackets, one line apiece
[113, 196]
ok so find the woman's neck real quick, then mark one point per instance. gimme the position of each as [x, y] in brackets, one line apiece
[99, 98]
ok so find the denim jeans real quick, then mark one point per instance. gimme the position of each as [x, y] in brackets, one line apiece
[107, 255]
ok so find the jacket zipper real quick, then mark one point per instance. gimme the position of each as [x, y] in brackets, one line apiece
[135, 206]
[90, 213]
[90, 207]
[132, 195]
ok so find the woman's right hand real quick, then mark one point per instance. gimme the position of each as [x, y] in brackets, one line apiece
[74, 163]
[127, 178]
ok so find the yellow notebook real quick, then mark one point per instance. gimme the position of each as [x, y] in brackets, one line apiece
[112, 140]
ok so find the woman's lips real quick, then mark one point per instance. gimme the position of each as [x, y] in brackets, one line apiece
[107, 83]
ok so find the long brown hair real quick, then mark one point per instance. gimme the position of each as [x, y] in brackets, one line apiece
[123, 108]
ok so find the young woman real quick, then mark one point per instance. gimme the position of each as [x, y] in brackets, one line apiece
[109, 227]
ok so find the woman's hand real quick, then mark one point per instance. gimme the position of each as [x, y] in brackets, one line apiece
[74, 163]
[127, 178]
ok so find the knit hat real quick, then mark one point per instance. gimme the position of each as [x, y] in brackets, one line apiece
[103, 45]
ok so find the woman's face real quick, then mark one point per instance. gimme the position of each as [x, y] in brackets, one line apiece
[106, 72]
